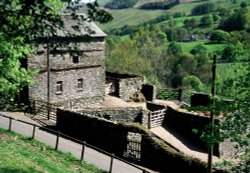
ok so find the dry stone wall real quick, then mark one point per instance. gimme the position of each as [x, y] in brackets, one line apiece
[129, 86]
[90, 68]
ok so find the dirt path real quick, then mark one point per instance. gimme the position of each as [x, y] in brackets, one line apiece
[171, 139]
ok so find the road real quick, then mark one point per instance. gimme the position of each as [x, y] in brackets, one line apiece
[91, 156]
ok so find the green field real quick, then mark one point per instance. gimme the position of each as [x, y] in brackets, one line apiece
[230, 71]
[23, 155]
[212, 47]
[103, 2]
[130, 17]
[187, 7]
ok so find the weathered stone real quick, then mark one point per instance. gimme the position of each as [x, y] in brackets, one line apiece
[73, 65]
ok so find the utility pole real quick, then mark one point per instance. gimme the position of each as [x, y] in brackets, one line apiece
[48, 79]
[211, 146]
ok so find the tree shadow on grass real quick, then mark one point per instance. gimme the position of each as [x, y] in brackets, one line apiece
[17, 170]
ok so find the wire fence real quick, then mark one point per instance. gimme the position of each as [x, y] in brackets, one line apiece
[80, 149]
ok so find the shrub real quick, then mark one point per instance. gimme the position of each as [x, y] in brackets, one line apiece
[219, 36]
[203, 9]
[119, 4]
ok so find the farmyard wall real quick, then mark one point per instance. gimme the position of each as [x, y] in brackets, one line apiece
[112, 137]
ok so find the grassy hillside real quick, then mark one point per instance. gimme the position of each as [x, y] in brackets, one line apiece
[102, 2]
[187, 7]
[133, 16]
[130, 17]
[22, 155]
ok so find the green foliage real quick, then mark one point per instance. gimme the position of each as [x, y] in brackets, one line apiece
[20, 154]
[219, 36]
[174, 48]
[159, 5]
[122, 61]
[190, 23]
[200, 49]
[21, 23]
[120, 4]
[238, 20]
[233, 52]
[203, 9]
[206, 21]
[193, 82]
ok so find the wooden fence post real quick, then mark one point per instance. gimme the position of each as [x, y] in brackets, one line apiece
[149, 120]
[10, 123]
[57, 140]
[83, 150]
[34, 131]
[111, 163]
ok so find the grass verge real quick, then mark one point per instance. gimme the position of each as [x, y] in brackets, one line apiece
[22, 155]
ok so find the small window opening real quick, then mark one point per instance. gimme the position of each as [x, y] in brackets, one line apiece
[75, 59]
[59, 87]
[79, 84]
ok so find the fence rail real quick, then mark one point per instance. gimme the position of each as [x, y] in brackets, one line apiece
[181, 95]
[79, 149]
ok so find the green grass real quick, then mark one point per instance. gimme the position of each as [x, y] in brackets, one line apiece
[212, 47]
[130, 17]
[23, 155]
[103, 2]
[187, 7]
[230, 71]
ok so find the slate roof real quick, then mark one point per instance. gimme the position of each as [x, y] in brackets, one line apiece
[78, 26]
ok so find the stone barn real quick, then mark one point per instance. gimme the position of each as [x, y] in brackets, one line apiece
[71, 67]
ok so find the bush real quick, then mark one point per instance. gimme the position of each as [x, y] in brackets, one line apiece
[203, 9]
[193, 82]
[158, 5]
[190, 23]
[206, 20]
[219, 36]
[120, 4]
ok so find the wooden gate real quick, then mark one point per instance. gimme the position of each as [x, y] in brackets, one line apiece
[133, 146]
[44, 110]
[155, 118]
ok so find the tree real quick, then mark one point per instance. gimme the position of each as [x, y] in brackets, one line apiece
[119, 4]
[125, 58]
[233, 52]
[174, 48]
[219, 36]
[193, 82]
[203, 9]
[190, 23]
[200, 49]
[238, 20]
[21, 21]
[235, 124]
[206, 20]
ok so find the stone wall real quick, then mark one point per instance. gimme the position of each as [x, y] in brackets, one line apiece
[90, 69]
[71, 96]
[112, 137]
[185, 123]
[128, 114]
[129, 86]
[61, 57]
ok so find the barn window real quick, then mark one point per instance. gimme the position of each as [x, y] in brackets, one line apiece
[59, 87]
[79, 84]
